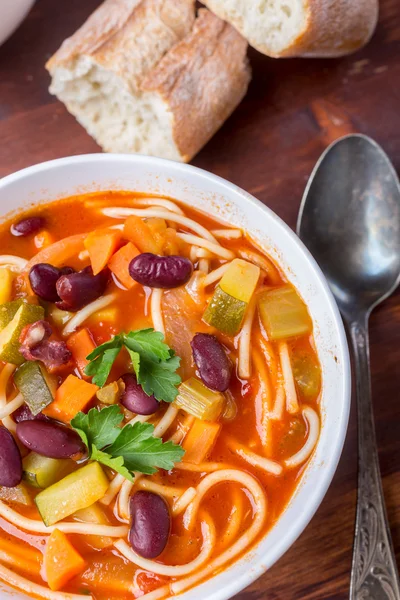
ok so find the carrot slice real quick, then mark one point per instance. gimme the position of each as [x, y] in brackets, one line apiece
[101, 245]
[57, 254]
[138, 232]
[81, 344]
[119, 264]
[72, 396]
[200, 441]
[61, 561]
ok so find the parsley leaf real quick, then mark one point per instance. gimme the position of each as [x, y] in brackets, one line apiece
[154, 363]
[132, 448]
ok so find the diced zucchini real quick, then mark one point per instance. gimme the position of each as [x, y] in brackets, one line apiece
[307, 374]
[111, 393]
[60, 317]
[283, 313]
[41, 472]
[19, 494]
[240, 280]
[9, 336]
[95, 514]
[36, 385]
[198, 400]
[225, 312]
[76, 491]
[8, 312]
[6, 282]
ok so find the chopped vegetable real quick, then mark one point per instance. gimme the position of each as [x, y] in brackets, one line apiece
[138, 232]
[111, 393]
[154, 363]
[43, 239]
[171, 242]
[72, 396]
[200, 441]
[95, 514]
[6, 282]
[158, 227]
[283, 313]
[61, 561]
[101, 245]
[198, 400]
[8, 312]
[36, 385]
[133, 448]
[19, 494]
[307, 373]
[9, 336]
[240, 280]
[119, 264]
[59, 253]
[41, 471]
[74, 492]
[60, 317]
[108, 314]
[81, 344]
[224, 312]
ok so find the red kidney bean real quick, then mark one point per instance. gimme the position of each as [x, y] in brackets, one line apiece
[213, 364]
[76, 290]
[50, 439]
[23, 413]
[160, 271]
[10, 460]
[27, 226]
[151, 524]
[43, 279]
[135, 398]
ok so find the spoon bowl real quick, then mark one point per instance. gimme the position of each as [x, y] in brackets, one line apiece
[354, 233]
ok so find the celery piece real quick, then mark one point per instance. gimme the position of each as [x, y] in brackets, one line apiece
[240, 280]
[225, 312]
[283, 313]
[307, 374]
[36, 385]
[9, 336]
[198, 400]
[19, 494]
[76, 491]
[41, 471]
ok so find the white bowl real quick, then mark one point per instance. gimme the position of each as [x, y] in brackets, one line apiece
[12, 13]
[49, 181]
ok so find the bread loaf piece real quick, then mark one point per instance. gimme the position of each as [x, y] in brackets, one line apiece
[318, 28]
[145, 76]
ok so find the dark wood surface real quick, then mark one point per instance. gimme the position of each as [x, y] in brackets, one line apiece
[293, 109]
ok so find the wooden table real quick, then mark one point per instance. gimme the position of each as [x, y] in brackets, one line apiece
[294, 108]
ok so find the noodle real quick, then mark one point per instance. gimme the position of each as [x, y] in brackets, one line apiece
[163, 490]
[313, 422]
[202, 467]
[235, 517]
[38, 590]
[156, 311]
[182, 429]
[16, 263]
[204, 243]
[292, 403]
[244, 363]
[121, 213]
[172, 570]
[82, 315]
[157, 594]
[11, 406]
[204, 265]
[216, 275]
[227, 234]
[263, 263]
[277, 412]
[270, 466]
[183, 502]
[203, 253]
[162, 202]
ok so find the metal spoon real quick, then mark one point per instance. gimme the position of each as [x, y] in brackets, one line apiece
[350, 221]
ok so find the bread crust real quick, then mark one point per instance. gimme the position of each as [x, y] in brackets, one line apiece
[331, 28]
[202, 79]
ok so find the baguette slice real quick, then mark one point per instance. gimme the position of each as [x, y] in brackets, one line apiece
[315, 28]
[145, 76]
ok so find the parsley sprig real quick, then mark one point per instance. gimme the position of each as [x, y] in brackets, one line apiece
[125, 450]
[154, 363]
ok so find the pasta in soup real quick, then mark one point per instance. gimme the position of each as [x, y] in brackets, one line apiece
[159, 397]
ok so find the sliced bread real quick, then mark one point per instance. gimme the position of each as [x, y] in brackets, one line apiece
[318, 28]
[145, 76]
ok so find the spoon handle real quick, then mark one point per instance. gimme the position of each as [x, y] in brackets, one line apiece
[374, 574]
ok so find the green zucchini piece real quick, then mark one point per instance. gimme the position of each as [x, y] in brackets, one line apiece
[8, 312]
[76, 491]
[9, 336]
[36, 385]
[19, 494]
[307, 374]
[225, 312]
[42, 472]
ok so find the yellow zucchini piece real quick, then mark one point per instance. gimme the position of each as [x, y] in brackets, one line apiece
[19, 494]
[95, 514]
[283, 313]
[8, 311]
[6, 282]
[36, 385]
[76, 491]
[198, 400]
[240, 280]
[225, 312]
[41, 471]
[9, 337]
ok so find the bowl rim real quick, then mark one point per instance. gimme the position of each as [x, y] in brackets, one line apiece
[256, 566]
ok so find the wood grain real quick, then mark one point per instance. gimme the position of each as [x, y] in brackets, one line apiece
[294, 108]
